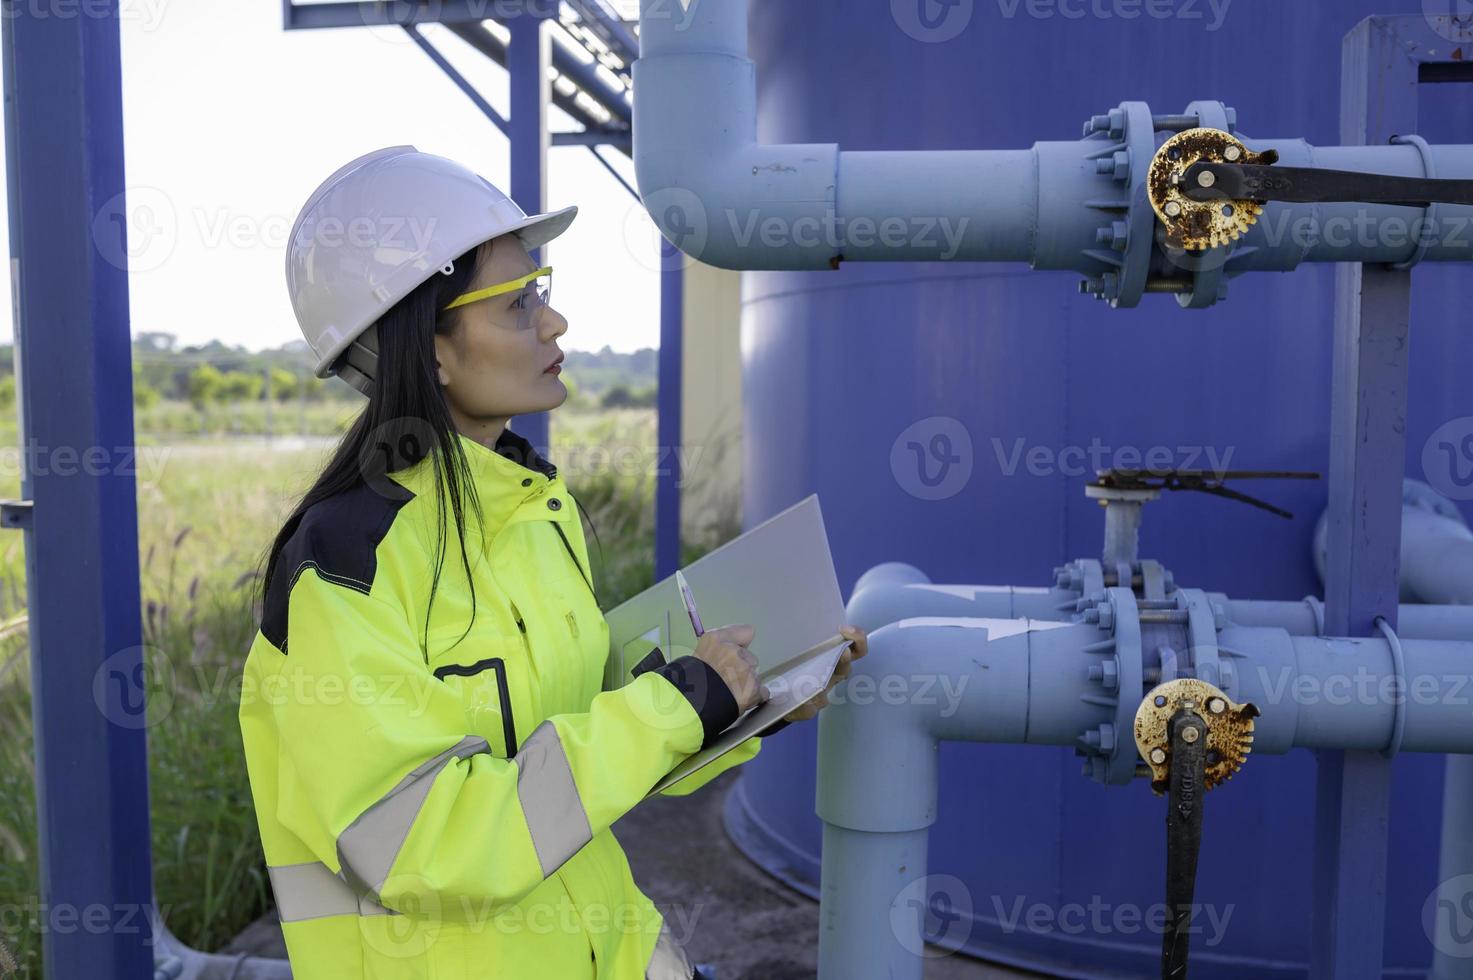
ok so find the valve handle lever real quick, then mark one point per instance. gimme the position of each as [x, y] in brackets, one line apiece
[1203, 481]
[1188, 786]
[1208, 180]
[1192, 737]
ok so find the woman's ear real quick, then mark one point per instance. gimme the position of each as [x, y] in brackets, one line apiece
[444, 351]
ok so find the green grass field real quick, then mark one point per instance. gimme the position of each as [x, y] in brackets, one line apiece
[207, 509]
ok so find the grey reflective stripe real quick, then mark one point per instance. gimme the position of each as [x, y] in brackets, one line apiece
[668, 961]
[312, 891]
[549, 797]
[367, 849]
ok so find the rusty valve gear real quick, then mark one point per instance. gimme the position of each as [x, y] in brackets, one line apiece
[1229, 729]
[1195, 225]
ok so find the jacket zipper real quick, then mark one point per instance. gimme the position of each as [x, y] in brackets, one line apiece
[573, 555]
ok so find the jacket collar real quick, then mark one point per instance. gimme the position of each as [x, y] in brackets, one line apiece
[508, 478]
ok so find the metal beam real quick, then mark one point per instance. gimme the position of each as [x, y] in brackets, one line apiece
[68, 211]
[671, 390]
[478, 37]
[376, 13]
[1381, 68]
[460, 81]
[528, 56]
[614, 173]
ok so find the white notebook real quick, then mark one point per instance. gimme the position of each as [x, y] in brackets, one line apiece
[780, 578]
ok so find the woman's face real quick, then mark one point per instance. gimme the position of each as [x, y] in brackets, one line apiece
[492, 368]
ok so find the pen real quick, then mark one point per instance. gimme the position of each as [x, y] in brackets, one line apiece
[690, 602]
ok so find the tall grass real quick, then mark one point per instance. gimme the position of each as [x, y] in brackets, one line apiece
[206, 511]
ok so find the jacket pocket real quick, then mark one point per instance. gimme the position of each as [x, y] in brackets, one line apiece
[503, 694]
[481, 668]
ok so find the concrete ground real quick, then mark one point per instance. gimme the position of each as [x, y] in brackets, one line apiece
[746, 924]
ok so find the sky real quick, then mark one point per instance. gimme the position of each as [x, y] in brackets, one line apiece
[230, 123]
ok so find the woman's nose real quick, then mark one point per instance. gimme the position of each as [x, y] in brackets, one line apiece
[553, 324]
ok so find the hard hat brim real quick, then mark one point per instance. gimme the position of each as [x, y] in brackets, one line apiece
[539, 229]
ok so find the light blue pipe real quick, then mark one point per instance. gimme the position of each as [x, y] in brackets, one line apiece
[895, 590]
[722, 197]
[928, 679]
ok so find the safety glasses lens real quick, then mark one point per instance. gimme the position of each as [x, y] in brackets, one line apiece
[532, 301]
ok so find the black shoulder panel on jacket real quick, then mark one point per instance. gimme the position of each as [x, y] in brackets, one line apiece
[339, 538]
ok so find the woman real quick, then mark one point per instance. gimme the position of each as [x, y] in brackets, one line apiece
[434, 759]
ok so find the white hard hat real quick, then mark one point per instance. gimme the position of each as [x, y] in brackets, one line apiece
[381, 225]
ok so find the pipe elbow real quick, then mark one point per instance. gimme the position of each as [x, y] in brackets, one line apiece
[711, 189]
[869, 732]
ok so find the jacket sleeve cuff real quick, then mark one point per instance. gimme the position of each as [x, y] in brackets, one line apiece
[705, 690]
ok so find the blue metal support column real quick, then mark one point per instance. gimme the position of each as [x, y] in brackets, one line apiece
[671, 391]
[528, 56]
[1381, 62]
[68, 246]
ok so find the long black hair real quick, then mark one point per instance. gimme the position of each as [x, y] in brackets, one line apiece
[406, 419]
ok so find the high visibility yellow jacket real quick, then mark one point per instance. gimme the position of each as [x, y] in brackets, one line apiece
[438, 807]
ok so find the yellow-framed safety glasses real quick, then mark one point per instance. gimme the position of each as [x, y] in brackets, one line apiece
[533, 293]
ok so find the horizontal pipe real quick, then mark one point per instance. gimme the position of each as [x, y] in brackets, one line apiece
[730, 201]
[1347, 693]
[895, 591]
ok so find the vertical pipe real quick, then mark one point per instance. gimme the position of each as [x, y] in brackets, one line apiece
[860, 865]
[69, 255]
[670, 391]
[1122, 532]
[528, 55]
[1367, 458]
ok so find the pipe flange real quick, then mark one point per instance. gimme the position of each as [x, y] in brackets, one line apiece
[1092, 577]
[1206, 665]
[1153, 579]
[1115, 766]
[1131, 132]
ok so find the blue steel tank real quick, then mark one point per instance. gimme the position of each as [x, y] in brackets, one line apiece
[1043, 383]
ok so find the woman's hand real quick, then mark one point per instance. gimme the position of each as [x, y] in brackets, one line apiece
[725, 649]
[859, 646]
